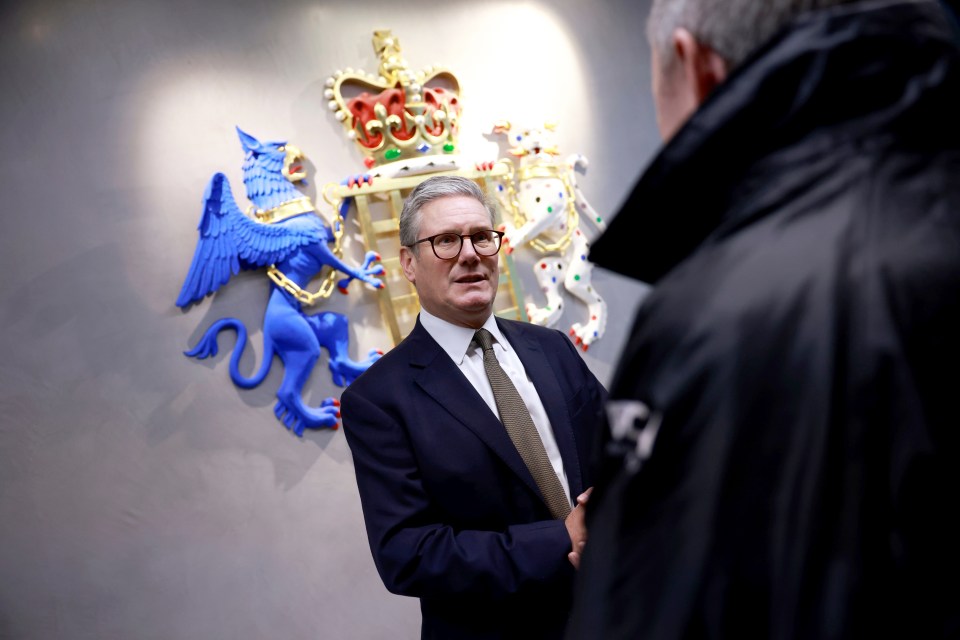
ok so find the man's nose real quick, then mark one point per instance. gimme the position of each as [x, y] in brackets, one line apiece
[467, 252]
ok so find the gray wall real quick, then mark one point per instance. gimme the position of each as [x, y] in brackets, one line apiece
[142, 495]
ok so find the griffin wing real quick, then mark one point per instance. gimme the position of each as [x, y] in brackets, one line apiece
[229, 241]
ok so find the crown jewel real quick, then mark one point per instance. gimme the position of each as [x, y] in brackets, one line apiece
[401, 114]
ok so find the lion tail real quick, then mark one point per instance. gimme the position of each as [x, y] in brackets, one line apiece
[579, 163]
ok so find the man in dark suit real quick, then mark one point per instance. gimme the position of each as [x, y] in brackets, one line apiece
[456, 513]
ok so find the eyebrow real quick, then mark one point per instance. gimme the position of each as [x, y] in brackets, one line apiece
[457, 233]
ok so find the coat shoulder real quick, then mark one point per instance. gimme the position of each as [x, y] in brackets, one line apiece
[388, 370]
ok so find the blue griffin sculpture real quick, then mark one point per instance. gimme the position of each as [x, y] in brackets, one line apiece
[293, 241]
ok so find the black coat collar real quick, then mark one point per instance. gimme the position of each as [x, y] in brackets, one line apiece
[831, 77]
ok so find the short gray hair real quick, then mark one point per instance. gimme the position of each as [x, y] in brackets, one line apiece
[431, 189]
[732, 28]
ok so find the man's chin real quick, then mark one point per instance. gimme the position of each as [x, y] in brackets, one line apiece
[475, 302]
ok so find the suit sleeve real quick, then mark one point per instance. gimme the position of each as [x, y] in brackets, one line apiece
[417, 554]
[587, 412]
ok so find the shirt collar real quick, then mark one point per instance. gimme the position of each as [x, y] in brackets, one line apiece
[454, 339]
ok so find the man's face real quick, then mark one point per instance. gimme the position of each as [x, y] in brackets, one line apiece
[462, 290]
[674, 99]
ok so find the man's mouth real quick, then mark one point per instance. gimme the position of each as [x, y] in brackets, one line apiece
[470, 278]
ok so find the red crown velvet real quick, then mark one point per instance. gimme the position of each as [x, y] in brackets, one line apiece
[401, 114]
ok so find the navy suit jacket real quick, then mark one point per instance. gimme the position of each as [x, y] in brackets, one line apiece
[453, 516]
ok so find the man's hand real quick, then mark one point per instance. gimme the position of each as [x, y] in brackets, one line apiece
[577, 528]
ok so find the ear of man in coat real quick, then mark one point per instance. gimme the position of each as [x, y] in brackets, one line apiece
[682, 78]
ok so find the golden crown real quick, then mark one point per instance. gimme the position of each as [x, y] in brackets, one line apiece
[400, 114]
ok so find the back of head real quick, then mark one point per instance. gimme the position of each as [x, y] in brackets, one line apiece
[732, 28]
[431, 189]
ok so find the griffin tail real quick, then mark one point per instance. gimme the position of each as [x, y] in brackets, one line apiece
[207, 347]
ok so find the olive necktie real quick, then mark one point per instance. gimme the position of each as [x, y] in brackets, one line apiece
[516, 419]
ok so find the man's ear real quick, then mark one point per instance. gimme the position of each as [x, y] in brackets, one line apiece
[703, 68]
[406, 263]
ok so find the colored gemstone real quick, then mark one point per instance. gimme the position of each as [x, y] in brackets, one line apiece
[599, 219]
[576, 277]
[392, 154]
[549, 209]
[448, 148]
[423, 147]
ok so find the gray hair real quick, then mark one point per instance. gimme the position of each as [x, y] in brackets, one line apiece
[732, 28]
[431, 189]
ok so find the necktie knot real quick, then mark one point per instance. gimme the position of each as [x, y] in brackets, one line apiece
[483, 338]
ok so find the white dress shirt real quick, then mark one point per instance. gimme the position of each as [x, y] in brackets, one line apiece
[456, 342]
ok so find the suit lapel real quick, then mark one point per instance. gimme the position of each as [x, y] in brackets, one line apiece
[541, 373]
[443, 381]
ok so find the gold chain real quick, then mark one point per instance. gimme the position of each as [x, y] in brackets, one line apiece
[286, 210]
[280, 279]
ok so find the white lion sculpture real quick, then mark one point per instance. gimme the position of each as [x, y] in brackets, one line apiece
[543, 205]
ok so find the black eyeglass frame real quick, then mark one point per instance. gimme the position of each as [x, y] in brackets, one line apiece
[430, 239]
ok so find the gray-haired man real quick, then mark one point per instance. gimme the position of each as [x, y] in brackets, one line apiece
[784, 458]
[471, 438]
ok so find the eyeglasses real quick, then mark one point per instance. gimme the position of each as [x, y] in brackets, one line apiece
[447, 246]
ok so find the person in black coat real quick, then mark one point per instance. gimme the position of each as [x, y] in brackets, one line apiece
[782, 459]
[953, 6]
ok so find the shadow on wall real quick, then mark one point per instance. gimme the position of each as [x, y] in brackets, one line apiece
[83, 326]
